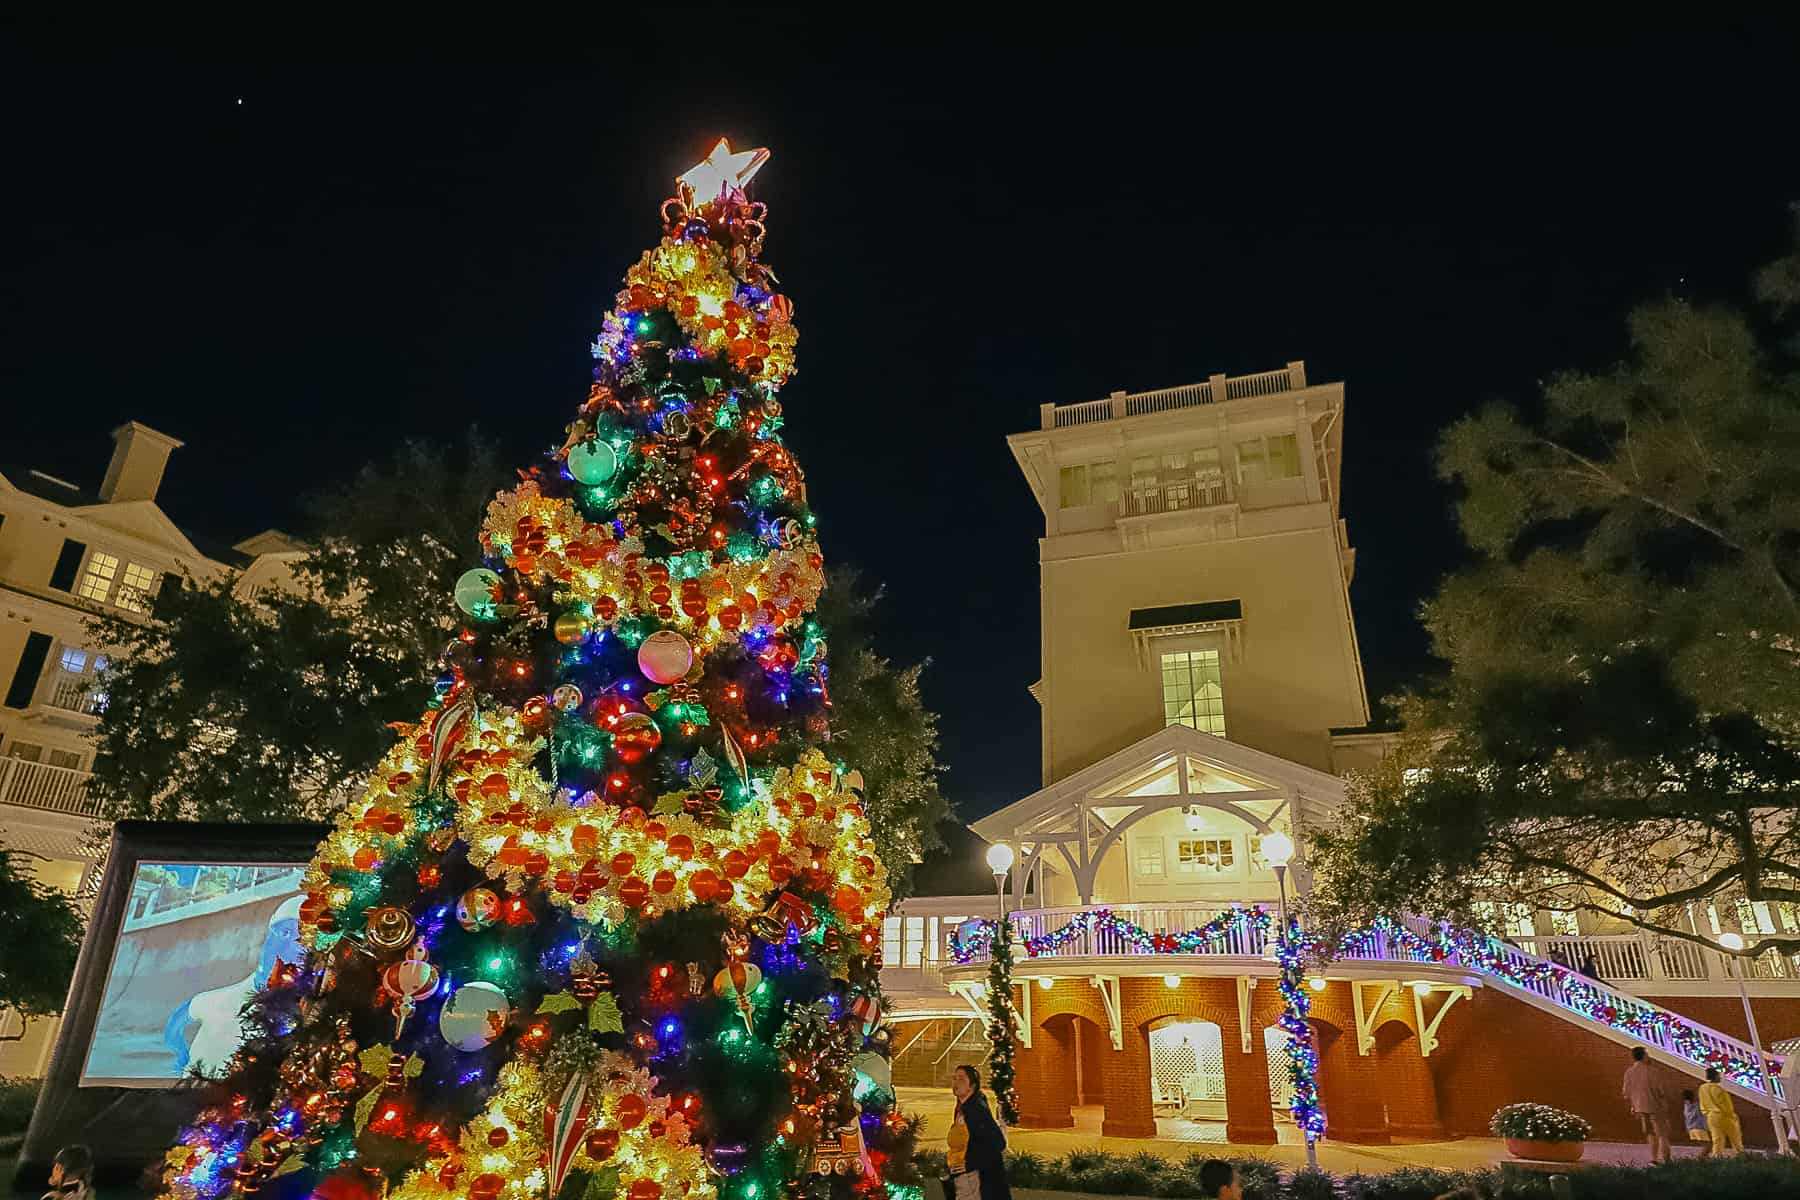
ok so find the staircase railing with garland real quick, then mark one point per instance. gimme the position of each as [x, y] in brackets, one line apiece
[1246, 932]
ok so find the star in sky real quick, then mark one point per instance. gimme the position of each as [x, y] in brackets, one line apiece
[722, 170]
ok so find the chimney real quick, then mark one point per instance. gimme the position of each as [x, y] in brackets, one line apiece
[136, 470]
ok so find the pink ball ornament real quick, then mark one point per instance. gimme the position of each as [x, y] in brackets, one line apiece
[665, 656]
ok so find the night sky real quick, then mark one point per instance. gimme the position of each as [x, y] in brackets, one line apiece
[292, 267]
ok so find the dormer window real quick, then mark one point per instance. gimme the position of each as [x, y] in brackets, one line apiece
[127, 584]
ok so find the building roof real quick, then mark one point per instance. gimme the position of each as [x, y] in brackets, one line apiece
[1187, 614]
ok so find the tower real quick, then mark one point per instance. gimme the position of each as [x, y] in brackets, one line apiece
[1195, 569]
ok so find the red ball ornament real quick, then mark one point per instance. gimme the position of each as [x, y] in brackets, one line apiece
[663, 882]
[737, 864]
[623, 862]
[486, 1187]
[633, 892]
[780, 871]
[704, 884]
[631, 1110]
[847, 900]
[645, 1189]
[602, 1144]
[730, 616]
[681, 847]
[634, 736]
[498, 1137]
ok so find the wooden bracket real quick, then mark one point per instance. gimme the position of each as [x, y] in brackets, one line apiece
[1428, 1039]
[1108, 986]
[1245, 985]
[1024, 1018]
[1367, 1011]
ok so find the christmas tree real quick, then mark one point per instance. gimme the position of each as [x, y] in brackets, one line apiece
[605, 924]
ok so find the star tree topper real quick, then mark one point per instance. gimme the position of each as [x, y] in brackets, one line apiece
[723, 171]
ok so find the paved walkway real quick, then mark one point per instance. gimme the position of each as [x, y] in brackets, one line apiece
[1179, 1138]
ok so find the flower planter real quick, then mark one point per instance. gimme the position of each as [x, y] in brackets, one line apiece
[1544, 1151]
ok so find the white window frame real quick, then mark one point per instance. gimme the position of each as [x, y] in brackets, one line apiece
[99, 575]
[129, 593]
[1190, 645]
[1262, 445]
[1224, 848]
[1148, 847]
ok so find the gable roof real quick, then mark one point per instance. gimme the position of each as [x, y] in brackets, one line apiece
[1175, 747]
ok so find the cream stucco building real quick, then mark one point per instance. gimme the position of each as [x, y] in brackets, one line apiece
[68, 554]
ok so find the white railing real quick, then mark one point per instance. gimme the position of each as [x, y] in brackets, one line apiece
[1215, 390]
[76, 694]
[1139, 404]
[1091, 938]
[1083, 414]
[1174, 496]
[1268, 383]
[1643, 958]
[39, 785]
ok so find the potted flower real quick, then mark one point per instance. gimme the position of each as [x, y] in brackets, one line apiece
[1538, 1131]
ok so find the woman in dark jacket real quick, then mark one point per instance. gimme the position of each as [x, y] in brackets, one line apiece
[982, 1141]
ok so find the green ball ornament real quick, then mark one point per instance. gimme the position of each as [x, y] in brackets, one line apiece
[476, 593]
[593, 462]
[473, 1016]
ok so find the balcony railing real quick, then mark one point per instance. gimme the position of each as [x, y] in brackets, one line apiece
[39, 785]
[1216, 390]
[1174, 495]
[76, 693]
[1647, 960]
[1134, 930]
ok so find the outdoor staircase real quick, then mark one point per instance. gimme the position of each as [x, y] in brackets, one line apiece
[1670, 1038]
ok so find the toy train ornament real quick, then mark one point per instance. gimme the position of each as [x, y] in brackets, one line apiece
[841, 1152]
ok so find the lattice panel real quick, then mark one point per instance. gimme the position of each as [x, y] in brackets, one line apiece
[1187, 1060]
[1281, 1070]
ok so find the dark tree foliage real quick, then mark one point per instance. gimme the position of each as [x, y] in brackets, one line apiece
[40, 935]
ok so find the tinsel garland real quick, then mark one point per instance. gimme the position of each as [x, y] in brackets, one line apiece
[1577, 993]
[973, 938]
[1296, 1009]
[1003, 1027]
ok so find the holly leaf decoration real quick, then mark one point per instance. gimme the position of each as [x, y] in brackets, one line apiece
[365, 1108]
[375, 1060]
[655, 700]
[670, 804]
[604, 1015]
[557, 1002]
[415, 1066]
[289, 1165]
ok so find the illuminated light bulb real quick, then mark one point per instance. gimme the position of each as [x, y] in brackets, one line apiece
[1421, 989]
[1046, 982]
[1171, 981]
[1316, 983]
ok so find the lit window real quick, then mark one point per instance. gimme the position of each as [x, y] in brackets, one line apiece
[890, 940]
[1094, 483]
[1192, 691]
[25, 751]
[1563, 924]
[74, 661]
[1150, 856]
[134, 588]
[1205, 854]
[915, 942]
[99, 578]
[1266, 458]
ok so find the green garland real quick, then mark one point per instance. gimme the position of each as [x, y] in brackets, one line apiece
[1003, 1027]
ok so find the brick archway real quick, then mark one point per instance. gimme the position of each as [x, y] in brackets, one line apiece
[1063, 1068]
[1350, 1087]
[1409, 1091]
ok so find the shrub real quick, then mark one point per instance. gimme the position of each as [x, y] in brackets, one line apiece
[1027, 1170]
[1407, 1183]
[1538, 1123]
[17, 1098]
[1308, 1184]
[1259, 1178]
[931, 1164]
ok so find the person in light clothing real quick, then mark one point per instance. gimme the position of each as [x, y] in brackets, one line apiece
[1648, 1104]
[1695, 1122]
[1721, 1115]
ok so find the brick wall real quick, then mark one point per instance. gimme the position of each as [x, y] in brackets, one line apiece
[1496, 1050]
[1493, 1050]
[1777, 1017]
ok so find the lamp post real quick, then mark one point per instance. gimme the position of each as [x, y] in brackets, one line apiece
[1000, 861]
[1278, 849]
[1734, 942]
